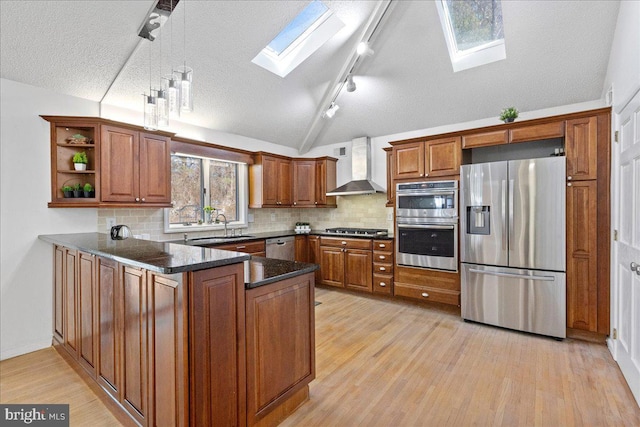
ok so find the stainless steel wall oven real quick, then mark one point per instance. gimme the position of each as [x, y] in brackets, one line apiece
[427, 225]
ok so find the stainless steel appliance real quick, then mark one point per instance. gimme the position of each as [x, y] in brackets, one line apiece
[281, 248]
[350, 231]
[513, 244]
[120, 232]
[427, 225]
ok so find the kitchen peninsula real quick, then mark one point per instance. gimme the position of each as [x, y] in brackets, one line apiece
[182, 335]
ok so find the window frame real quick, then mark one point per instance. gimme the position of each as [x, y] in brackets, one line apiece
[474, 57]
[243, 159]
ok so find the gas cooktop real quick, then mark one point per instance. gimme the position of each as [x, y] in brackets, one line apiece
[358, 231]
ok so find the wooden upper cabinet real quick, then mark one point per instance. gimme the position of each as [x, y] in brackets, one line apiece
[391, 189]
[270, 181]
[304, 178]
[135, 167]
[485, 139]
[325, 181]
[436, 157]
[408, 160]
[537, 132]
[581, 148]
[443, 157]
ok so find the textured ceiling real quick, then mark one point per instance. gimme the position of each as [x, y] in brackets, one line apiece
[557, 53]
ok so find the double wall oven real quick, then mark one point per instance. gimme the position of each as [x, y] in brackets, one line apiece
[427, 224]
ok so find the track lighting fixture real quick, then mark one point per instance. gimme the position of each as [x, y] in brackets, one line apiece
[351, 85]
[364, 49]
[331, 111]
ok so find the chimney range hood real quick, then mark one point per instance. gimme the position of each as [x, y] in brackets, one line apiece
[361, 182]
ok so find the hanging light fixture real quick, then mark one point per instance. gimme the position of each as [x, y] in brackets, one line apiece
[185, 73]
[150, 104]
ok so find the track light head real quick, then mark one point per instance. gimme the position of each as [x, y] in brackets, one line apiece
[351, 85]
[364, 49]
[331, 111]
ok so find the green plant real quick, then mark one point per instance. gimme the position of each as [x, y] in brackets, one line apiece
[88, 187]
[77, 187]
[208, 209]
[509, 113]
[80, 157]
[66, 188]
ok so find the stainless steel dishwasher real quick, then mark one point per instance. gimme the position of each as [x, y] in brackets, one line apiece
[281, 248]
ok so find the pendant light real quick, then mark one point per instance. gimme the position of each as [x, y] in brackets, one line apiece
[170, 84]
[150, 104]
[161, 95]
[185, 73]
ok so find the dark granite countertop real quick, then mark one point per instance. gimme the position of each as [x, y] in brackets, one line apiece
[161, 257]
[220, 240]
[263, 271]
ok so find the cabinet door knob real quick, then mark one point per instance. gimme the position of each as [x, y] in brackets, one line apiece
[569, 178]
[382, 284]
[633, 266]
[315, 203]
[143, 199]
[426, 295]
[568, 184]
[137, 199]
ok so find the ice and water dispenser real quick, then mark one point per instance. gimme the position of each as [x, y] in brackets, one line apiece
[478, 220]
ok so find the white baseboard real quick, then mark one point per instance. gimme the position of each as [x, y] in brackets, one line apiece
[27, 348]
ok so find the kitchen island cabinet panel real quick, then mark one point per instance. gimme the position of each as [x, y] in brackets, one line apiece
[87, 316]
[134, 343]
[217, 347]
[71, 303]
[107, 327]
[280, 343]
[58, 293]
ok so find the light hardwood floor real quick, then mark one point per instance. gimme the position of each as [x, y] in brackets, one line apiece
[390, 363]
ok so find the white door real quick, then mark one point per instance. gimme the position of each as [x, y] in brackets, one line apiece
[626, 261]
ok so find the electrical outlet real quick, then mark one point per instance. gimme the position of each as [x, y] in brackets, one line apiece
[273, 217]
[111, 221]
[389, 216]
[250, 217]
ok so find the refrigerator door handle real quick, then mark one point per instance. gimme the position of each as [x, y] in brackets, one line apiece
[512, 275]
[503, 185]
[511, 184]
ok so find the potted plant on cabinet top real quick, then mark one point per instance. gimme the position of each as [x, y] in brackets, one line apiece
[88, 190]
[77, 190]
[80, 161]
[67, 190]
[509, 114]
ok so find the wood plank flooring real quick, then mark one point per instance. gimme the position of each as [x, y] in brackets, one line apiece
[391, 363]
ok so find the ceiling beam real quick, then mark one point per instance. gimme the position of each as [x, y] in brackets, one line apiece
[334, 89]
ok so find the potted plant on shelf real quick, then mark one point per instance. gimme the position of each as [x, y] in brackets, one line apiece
[509, 114]
[88, 190]
[77, 190]
[207, 214]
[80, 161]
[67, 190]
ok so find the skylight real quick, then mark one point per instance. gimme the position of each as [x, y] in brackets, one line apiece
[309, 30]
[473, 30]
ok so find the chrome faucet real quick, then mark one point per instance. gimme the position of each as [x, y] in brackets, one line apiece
[220, 214]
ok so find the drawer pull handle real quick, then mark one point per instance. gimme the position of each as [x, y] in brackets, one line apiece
[343, 242]
[382, 257]
[383, 269]
[382, 245]
[240, 247]
[382, 284]
[426, 295]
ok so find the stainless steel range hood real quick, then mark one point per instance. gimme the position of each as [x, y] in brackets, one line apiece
[361, 182]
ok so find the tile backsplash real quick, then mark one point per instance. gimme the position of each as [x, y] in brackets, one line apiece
[352, 211]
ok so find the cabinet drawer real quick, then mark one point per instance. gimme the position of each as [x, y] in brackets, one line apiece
[386, 257]
[425, 293]
[252, 247]
[382, 284]
[485, 139]
[537, 132]
[345, 243]
[383, 245]
[382, 268]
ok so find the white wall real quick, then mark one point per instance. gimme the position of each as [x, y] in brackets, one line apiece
[25, 262]
[623, 71]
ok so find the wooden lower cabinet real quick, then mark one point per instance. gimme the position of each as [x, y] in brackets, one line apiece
[427, 285]
[313, 256]
[280, 344]
[217, 347]
[582, 257]
[346, 263]
[254, 247]
[302, 248]
[108, 326]
[87, 313]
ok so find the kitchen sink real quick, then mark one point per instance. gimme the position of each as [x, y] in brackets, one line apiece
[219, 238]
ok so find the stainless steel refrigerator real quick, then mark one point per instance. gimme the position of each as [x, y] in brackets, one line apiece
[513, 244]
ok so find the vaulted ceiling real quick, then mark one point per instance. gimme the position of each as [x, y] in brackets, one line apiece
[557, 54]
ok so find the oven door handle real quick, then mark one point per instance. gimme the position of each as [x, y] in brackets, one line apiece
[430, 227]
